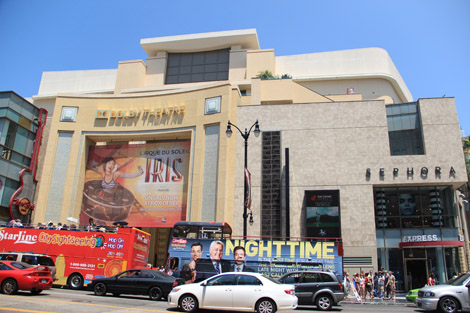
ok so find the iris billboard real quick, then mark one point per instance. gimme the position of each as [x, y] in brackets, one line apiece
[144, 185]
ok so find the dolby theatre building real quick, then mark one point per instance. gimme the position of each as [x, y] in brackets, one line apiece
[344, 151]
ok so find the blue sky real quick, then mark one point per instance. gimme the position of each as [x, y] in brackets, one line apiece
[429, 41]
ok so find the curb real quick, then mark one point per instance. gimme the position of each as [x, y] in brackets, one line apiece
[398, 302]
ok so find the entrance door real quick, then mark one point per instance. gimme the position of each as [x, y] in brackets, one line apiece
[416, 273]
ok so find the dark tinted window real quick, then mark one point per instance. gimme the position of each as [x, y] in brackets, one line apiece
[44, 260]
[30, 259]
[20, 265]
[4, 267]
[197, 66]
[146, 274]
[222, 280]
[8, 257]
[404, 129]
[311, 278]
[291, 278]
[326, 278]
[248, 280]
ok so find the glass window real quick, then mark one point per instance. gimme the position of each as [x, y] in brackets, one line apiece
[223, 280]
[21, 140]
[248, 280]
[292, 278]
[197, 66]
[311, 278]
[404, 129]
[326, 278]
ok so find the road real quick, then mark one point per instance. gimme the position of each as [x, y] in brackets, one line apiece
[65, 300]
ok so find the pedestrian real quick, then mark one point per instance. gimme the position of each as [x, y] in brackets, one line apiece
[391, 285]
[381, 284]
[376, 284]
[431, 279]
[369, 285]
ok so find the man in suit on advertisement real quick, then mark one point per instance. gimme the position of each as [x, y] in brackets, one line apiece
[239, 258]
[206, 268]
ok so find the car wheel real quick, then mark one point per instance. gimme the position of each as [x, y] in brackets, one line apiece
[265, 306]
[155, 293]
[188, 303]
[9, 286]
[116, 294]
[35, 291]
[448, 305]
[99, 289]
[75, 281]
[324, 302]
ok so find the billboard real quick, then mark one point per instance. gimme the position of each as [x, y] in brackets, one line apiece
[322, 212]
[272, 258]
[144, 185]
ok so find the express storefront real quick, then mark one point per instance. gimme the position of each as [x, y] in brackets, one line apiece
[418, 234]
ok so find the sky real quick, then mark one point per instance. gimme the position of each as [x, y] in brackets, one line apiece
[428, 40]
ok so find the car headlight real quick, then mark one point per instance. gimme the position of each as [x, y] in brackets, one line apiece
[429, 294]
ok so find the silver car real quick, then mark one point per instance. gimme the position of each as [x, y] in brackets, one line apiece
[450, 297]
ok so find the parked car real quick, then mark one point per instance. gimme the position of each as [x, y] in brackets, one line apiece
[450, 297]
[412, 295]
[32, 259]
[320, 288]
[244, 291]
[16, 276]
[137, 281]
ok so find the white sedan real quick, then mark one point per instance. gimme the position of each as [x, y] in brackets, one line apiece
[234, 292]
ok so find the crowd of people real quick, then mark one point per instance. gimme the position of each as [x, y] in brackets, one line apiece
[59, 226]
[380, 284]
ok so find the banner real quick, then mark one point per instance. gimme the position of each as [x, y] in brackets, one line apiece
[144, 185]
[248, 189]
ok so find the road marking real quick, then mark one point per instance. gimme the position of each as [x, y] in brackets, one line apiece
[82, 303]
[22, 310]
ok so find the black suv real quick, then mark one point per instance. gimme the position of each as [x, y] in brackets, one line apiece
[319, 288]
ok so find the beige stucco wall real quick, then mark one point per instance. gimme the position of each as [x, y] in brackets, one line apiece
[331, 146]
[87, 130]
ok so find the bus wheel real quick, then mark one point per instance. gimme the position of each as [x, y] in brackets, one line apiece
[75, 281]
[9, 286]
[188, 303]
[155, 293]
[100, 289]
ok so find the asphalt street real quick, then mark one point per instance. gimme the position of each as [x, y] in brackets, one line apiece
[65, 300]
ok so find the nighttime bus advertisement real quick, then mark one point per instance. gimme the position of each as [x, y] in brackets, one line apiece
[270, 257]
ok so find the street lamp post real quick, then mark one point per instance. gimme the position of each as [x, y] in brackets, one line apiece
[245, 136]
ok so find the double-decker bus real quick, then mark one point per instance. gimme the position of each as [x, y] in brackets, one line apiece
[272, 257]
[81, 256]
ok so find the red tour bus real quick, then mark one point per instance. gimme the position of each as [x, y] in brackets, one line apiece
[81, 256]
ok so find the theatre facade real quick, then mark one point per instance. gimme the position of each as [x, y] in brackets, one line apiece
[344, 151]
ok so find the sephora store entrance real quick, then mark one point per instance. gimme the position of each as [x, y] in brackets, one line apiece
[417, 234]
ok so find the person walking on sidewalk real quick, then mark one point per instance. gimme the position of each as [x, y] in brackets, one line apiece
[381, 284]
[391, 284]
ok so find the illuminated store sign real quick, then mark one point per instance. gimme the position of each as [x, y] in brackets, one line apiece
[144, 113]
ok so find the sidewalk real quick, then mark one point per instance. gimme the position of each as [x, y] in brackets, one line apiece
[399, 300]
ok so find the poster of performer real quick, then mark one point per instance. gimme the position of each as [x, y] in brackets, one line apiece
[144, 185]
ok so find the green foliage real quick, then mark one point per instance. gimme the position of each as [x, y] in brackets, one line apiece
[266, 74]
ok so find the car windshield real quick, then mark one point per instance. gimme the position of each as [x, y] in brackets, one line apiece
[20, 265]
[458, 281]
